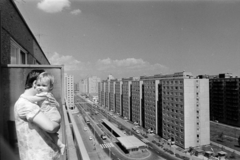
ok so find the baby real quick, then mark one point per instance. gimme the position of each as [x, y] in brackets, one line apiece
[44, 86]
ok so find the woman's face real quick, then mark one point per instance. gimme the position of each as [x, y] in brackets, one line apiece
[42, 86]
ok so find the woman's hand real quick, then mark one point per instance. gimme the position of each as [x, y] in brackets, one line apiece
[53, 101]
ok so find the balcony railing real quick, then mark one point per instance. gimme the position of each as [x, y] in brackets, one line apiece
[76, 148]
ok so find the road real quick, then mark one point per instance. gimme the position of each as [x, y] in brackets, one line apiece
[112, 150]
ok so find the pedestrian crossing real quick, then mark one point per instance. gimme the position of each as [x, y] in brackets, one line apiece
[106, 145]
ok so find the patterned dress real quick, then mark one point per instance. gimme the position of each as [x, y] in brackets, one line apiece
[33, 142]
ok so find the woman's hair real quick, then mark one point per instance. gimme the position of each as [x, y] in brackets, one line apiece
[46, 77]
[31, 77]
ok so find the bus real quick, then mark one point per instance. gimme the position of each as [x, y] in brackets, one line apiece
[87, 119]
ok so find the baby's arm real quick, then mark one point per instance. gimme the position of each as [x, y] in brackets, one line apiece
[36, 98]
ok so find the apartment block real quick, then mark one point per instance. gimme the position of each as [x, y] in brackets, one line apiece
[119, 97]
[126, 91]
[185, 110]
[92, 83]
[150, 107]
[225, 100]
[69, 89]
[136, 113]
[112, 96]
[99, 92]
[103, 88]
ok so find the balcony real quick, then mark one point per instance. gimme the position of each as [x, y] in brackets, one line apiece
[12, 86]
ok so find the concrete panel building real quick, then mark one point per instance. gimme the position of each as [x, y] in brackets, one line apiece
[112, 95]
[225, 100]
[136, 114]
[185, 111]
[69, 89]
[118, 92]
[127, 97]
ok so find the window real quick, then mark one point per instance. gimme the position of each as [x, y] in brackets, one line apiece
[18, 54]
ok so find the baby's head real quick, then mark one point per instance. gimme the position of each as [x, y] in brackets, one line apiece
[44, 82]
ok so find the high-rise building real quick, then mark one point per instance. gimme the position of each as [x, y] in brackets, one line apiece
[225, 99]
[112, 100]
[174, 106]
[69, 89]
[185, 111]
[83, 87]
[118, 92]
[92, 83]
[99, 93]
[136, 112]
[126, 91]
[103, 95]
[76, 88]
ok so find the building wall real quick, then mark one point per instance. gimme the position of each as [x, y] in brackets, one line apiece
[150, 103]
[99, 92]
[136, 101]
[112, 95]
[69, 84]
[196, 113]
[126, 98]
[92, 83]
[118, 87]
[10, 18]
[224, 100]
[103, 93]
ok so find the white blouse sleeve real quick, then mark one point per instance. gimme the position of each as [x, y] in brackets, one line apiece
[28, 110]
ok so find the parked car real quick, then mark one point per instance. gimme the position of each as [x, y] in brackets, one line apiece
[138, 132]
[90, 138]
[103, 136]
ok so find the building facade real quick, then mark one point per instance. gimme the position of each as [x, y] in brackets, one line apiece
[119, 97]
[136, 101]
[225, 100]
[174, 106]
[127, 99]
[69, 89]
[112, 96]
[185, 111]
[92, 85]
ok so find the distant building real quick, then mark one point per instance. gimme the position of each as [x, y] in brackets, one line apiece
[136, 111]
[92, 83]
[173, 106]
[76, 88]
[89, 85]
[225, 99]
[69, 89]
[112, 95]
[118, 99]
[126, 91]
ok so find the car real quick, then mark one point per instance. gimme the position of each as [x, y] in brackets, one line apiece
[85, 128]
[90, 138]
[103, 136]
[138, 132]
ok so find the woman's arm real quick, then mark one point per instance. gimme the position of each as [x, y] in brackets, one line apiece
[43, 122]
[35, 98]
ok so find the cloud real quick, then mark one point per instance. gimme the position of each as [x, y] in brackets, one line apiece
[76, 12]
[53, 6]
[122, 68]
[130, 65]
[70, 63]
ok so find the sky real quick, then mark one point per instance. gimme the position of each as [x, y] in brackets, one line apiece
[131, 38]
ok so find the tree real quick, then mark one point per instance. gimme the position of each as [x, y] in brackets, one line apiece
[221, 136]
